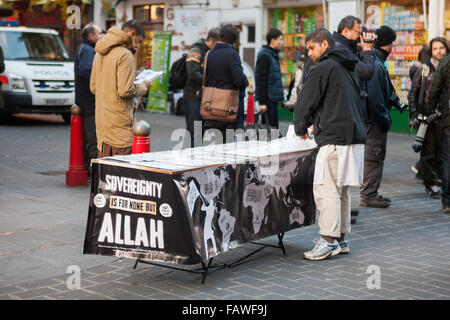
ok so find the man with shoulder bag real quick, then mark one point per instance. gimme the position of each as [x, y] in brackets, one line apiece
[223, 78]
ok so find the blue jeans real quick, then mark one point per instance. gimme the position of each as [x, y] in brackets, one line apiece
[191, 109]
[446, 168]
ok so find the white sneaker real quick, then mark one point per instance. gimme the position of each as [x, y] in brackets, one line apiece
[345, 247]
[322, 250]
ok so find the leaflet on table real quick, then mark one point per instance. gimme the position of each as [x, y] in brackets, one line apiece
[293, 139]
[178, 160]
[148, 75]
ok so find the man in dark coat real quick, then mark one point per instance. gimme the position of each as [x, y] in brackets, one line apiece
[269, 88]
[381, 97]
[84, 56]
[224, 71]
[439, 97]
[331, 102]
[192, 92]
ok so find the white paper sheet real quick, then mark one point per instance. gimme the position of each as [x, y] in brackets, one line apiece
[148, 75]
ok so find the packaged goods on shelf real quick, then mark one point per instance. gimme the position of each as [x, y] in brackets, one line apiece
[408, 22]
[295, 23]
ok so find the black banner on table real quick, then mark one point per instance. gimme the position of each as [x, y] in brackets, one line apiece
[189, 217]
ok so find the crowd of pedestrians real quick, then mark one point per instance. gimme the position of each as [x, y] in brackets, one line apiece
[342, 95]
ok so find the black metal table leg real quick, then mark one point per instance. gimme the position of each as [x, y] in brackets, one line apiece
[280, 242]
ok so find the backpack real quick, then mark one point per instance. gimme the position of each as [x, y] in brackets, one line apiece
[178, 73]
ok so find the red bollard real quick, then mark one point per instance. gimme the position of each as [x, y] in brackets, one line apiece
[77, 174]
[141, 139]
[250, 108]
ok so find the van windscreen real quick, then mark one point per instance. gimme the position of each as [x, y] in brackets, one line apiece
[32, 46]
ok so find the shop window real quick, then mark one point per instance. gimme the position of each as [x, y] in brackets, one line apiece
[251, 34]
[142, 13]
[149, 13]
[157, 13]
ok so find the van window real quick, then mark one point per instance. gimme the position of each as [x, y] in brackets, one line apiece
[31, 45]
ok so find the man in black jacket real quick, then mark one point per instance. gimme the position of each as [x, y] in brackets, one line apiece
[84, 56]
[431, 153]
[192, 93]
[224, 71]
[381, 97]
[331, 102]
[439, 97]
[349, 32]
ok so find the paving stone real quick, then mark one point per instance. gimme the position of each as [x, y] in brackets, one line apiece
[272, 296]
[11, 289]
[39, 284]
[34, 293]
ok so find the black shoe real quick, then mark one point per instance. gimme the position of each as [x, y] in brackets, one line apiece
[354, 212]
[353, 220]
[383, 198]
[375, 202]
[434, 192]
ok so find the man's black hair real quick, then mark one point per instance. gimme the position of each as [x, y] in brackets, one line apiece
[228, 34]
[134, 25]
[441, 40]
[320, 35]
[214, 34]
[273, 34]
[89, 29]
[348, 22]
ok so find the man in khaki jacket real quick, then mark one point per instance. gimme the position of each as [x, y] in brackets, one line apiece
[112, 82]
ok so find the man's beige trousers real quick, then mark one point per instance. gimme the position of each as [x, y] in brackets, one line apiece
[332, 202]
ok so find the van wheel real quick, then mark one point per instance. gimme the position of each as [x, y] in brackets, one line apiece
[66, 117]
[4, 116]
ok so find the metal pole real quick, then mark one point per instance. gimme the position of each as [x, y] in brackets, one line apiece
[425, 13]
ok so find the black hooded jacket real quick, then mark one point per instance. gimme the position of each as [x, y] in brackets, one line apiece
[365, 67]
[379, 94]
[331, 101]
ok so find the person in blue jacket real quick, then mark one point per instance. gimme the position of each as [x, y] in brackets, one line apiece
[84, 56]
[381, 97]
[269, 87]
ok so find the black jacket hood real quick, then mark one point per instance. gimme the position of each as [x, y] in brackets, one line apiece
[381, 54]
[341, 56]
[352, 44]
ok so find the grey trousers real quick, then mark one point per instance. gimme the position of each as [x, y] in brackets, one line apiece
[374, 155]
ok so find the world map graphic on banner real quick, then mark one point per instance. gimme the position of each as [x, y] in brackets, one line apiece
[211, 187]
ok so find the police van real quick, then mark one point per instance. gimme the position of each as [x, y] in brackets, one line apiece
[39, 75]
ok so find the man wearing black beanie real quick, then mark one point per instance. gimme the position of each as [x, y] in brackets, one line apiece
[381, 96]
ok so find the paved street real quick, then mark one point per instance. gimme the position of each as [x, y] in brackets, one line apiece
[42, 225]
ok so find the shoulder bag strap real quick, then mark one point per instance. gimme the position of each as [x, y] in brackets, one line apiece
[204, 69]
